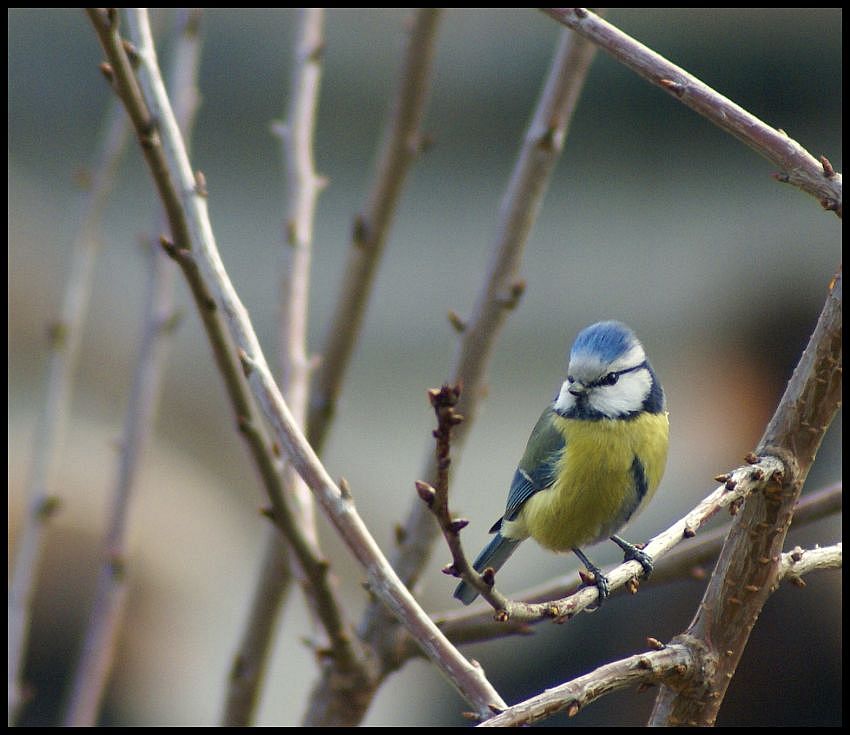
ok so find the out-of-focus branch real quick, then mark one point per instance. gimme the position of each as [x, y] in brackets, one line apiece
[333, 698]
[500, 292]
[403, 140]
[42, 491]
[92, 674]
[750, 563]
[186, 203]
[302, 189]
[502, 287]
[797, 166]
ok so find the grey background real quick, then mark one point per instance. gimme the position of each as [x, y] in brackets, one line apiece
[653, 216]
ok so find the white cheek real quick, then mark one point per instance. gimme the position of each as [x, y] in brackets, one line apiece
[565, 400]
[627, 395]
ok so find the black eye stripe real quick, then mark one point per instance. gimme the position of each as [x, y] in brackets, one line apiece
[612, 377]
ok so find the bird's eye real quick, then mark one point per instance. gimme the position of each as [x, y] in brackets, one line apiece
[609, 379]
[571, 379]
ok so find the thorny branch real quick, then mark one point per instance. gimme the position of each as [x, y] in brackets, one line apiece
[796, 165]
[186, 204]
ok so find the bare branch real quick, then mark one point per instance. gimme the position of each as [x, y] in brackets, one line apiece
[797, 166]
[401, 145]
[684, 662]
[500, 292]
[92, 674]
[502, 286]
[64, 344]
[644, 669]
[188, 207]
[302, 190]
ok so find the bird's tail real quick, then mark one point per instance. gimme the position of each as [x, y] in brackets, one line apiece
[493, 555]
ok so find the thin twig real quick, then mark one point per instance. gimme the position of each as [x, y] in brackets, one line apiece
[797, 166]
[737, 485]
[92, 674]
[797, 562]
[302, 190]
[684, 660]
[500, 292]
[502, 288]
[643, 669]
[42, 489]
[685, 561]
[336, 698]
[401, 145]
[187, 205]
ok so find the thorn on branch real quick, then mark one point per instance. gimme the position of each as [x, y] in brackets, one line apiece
[48, 507]
[458, 525]
[201, 184]
[57, 334]
[426, 492]
[246, 362]
[676, 88]
[400, 534]
[360, 232]
[132, 53]
[511, 300]
[170, 323]
[106, 69]
[828, 170]
[457, 321]
[426, 142]
[502, 616]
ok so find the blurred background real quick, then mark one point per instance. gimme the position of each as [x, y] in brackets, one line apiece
[654, 216]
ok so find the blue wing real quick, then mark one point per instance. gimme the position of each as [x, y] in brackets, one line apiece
[538, 466]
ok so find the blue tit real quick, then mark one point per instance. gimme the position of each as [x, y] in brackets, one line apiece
[594, 459]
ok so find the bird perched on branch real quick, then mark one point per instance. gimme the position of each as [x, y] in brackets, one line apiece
[594, 458]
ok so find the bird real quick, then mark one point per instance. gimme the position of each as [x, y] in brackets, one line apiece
[594, 459]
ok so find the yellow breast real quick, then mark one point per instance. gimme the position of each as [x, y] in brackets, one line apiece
[595, 492]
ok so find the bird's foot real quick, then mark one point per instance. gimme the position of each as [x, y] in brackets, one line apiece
[633, 553]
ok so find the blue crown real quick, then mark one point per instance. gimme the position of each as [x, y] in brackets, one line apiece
[604, 340]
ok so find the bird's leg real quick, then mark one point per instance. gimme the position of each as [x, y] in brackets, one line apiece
[600, 580]
[633, 553]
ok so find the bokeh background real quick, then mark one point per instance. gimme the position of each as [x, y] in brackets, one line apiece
[653, 216]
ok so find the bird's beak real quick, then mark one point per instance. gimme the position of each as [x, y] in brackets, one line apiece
[577, 389]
